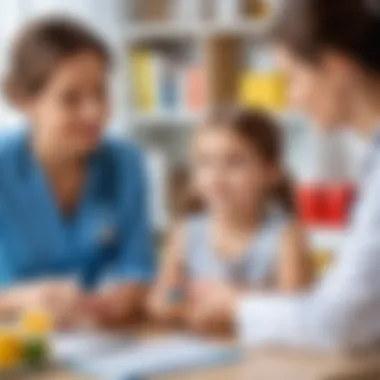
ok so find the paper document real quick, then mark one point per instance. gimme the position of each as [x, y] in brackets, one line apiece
[75, 348]
[172, 354]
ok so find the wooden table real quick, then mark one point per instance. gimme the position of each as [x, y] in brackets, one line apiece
[268, 365]
[262, 365]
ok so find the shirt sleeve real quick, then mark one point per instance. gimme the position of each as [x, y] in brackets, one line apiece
[136, 260]
[343, 309]
[5, 269]
[5, 273]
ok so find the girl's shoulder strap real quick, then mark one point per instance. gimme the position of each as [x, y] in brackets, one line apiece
[273, 226]
[196, 231]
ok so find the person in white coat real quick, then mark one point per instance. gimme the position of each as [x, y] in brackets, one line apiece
[330, 51]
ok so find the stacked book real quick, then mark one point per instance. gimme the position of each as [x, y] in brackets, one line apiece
[162, 83]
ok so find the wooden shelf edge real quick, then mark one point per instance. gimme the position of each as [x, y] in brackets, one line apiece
[169, 31]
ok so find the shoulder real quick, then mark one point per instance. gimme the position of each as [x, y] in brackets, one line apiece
[119, 171]
[294, 243]
[195, 230]
[11, 144]
[196, 219]
[13, 155]
[196, 225]
[278, 227]
[122, 152]
[187, 225]
[278, 219]
[121, 160]
[293, 231]
[187, 230]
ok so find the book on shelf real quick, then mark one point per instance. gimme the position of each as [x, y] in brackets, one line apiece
[195, 88]
[142, 80]
[161, 83]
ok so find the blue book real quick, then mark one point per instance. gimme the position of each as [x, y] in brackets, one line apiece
[168, 91]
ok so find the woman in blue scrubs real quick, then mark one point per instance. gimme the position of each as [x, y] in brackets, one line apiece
[74, 235]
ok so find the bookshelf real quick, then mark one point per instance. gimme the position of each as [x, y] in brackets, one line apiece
[208, 45]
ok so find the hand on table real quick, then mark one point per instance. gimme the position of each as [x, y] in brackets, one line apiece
[167, 306]
[212, 306]
[115, 306]
[60, 299]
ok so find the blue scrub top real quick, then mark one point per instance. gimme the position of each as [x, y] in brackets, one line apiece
[107, 238]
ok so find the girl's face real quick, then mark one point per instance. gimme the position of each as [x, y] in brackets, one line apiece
[324, 90]
[71, 110]
[228, 174]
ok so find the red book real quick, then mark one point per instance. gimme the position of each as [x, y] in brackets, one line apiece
[196, 88]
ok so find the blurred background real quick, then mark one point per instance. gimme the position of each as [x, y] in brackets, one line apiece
[176, 59]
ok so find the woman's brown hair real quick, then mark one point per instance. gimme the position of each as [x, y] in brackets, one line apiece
[40, 47]
[259, 130]
[348, 26]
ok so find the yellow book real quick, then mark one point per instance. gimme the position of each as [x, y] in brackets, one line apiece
[263, 90]
[143, 80]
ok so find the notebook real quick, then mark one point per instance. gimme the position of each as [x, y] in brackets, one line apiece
[141, 360]
[74, 348]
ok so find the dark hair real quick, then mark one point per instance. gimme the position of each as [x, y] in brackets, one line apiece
[182, 200]
[349, 26]
[259, 130]
[40, 46]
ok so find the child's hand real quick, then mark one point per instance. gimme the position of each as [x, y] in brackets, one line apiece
[114, 307]
[92, 310]
[164, 309]
[212, 307]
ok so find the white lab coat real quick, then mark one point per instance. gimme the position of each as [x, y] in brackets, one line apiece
[343, 310]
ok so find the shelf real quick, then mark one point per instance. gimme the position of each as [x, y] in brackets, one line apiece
[165, 119]
[173, 31]
[288, 120]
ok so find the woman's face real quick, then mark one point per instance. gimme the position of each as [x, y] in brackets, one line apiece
[323, 90]
[72, 109]
[227, 173]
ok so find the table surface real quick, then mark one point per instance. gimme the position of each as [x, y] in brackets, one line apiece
[267, 365]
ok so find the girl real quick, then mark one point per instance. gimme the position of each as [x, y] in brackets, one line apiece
[246, 237]
[72, 204]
